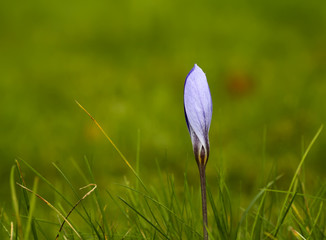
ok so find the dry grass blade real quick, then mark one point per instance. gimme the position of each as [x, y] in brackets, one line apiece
[11, 230]
[107, 137]
[270, 236]
[112, 143]
[88, 193]
[296, 234]
[51, 206]
[20, 172]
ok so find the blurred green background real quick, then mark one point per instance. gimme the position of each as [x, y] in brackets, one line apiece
[126, 62]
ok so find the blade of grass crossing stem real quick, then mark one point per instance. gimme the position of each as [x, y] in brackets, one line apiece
[113, 144]
[31, 211]
[143, 217]
[15, 202]
[279, 221]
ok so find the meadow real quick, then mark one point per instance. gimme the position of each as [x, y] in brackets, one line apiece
[126, 63]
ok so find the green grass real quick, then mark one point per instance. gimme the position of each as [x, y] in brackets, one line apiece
[161, 211]
[126, 61]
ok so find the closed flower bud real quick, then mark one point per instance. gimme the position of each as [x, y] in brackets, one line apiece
[198, 112]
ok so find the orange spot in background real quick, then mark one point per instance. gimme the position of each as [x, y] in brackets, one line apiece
[239, 84]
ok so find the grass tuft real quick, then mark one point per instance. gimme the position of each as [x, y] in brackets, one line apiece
[164, 210]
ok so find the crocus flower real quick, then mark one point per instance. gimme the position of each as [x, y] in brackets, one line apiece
[198, 111]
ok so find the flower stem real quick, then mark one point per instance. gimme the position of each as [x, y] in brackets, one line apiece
[203, 199]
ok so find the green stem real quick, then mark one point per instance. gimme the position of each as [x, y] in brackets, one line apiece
[203, 198]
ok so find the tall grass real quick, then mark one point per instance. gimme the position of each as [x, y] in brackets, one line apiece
[140, 210]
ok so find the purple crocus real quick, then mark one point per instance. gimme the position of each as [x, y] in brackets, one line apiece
[198, 111]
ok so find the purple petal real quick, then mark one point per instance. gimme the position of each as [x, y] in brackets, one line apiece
[198, 105]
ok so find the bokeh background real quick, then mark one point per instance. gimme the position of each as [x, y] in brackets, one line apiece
[126, 62]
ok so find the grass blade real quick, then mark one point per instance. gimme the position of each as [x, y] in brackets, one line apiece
[113, 144]
[31, 210]
[97, 196]
[221, 228]
[316, 219]
[53, 208]
[256, 227]
[282, 214]
[27, 202]
[260, 193]
[94, 186]
[143, 217]
[15, 202]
